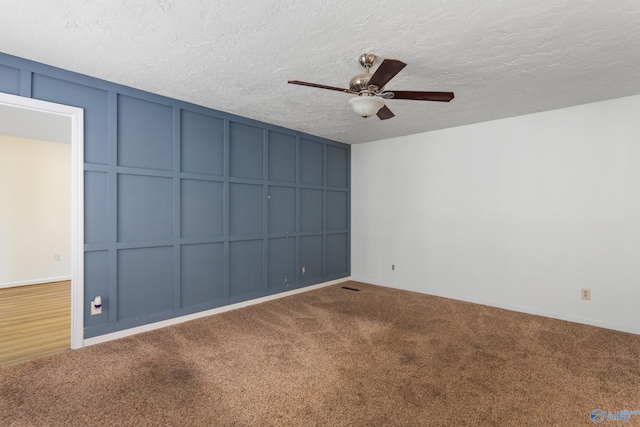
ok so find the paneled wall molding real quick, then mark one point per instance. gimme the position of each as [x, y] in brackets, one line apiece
[177, 320]
[188, 209]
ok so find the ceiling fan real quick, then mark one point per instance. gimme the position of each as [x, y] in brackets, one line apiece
[371, 92]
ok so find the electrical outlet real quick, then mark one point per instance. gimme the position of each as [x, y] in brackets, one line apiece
[57, 257]
[95, 310]
[96, 306]
[304, 269]
[393, 267]
[585, 293]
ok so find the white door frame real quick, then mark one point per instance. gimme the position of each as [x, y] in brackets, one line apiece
[77, 202]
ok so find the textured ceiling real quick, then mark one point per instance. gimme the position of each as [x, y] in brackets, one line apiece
[501, 58]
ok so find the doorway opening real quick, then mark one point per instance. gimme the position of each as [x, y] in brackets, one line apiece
[48, 110]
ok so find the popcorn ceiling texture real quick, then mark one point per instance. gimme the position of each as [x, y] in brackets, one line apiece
[501, 58]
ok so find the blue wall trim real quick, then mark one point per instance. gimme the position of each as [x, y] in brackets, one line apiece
[188, 208]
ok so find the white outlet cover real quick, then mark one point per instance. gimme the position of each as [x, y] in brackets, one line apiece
[95, 310]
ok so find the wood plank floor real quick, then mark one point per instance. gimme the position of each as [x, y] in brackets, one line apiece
[34, 321]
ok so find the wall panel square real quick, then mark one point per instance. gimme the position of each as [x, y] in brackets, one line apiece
[245, 151]
[96, 207]
[201, 273]
[145, 134]
[245, 267]
[145, 208]
[311, 257]
[282, 209]
[337, 166]
[337, 208]
[96, 283]
[245, 209]
[145, 281]
[311, 213]
[337, 253]
[9, 80]
[281, 262]
[201, 209]
[282, 157]
[311, 162]
[201, 144]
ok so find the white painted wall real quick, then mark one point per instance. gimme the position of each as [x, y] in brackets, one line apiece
[519, 213]
[35, 213]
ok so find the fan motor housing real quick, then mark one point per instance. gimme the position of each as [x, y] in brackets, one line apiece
[360, 82]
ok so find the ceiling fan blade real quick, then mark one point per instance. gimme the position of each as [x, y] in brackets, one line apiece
[423, 96]
[386, 71]
[385, 113]
[339, 89]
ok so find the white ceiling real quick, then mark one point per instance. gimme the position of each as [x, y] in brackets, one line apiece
[501, 58]
[34, 124]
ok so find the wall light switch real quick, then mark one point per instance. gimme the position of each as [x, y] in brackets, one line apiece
[57, 257]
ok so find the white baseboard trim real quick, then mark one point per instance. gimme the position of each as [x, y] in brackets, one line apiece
[176, 320]
[510, 307]
[34, 282]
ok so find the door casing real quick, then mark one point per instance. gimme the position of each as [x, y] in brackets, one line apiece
[76, 116]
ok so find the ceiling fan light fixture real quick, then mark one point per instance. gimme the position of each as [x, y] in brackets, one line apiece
[366, 106]
[371, 92]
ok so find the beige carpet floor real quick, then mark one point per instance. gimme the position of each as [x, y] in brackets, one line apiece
[335, 357]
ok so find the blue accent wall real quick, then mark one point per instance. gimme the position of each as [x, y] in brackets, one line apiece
[188, 208]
